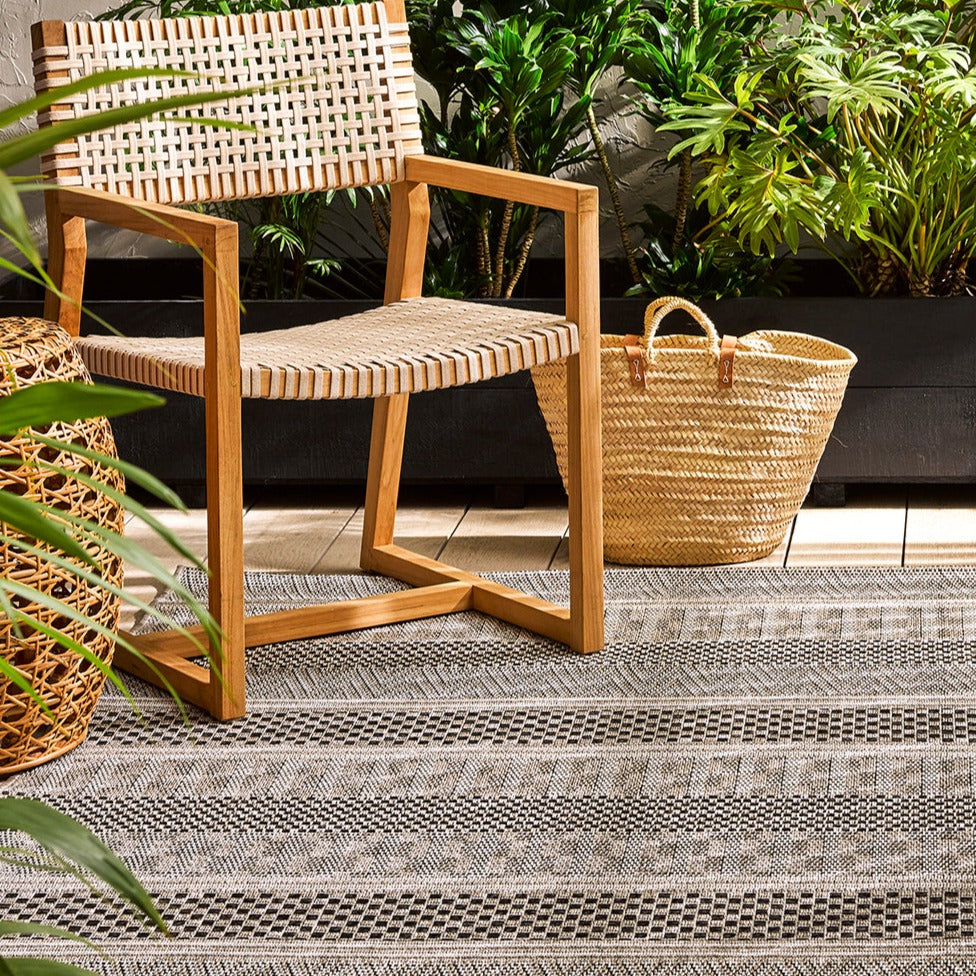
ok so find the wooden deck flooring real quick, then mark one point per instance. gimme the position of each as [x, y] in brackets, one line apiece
[318, 532]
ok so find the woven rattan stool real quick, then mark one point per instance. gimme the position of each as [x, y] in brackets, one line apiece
[34, 351]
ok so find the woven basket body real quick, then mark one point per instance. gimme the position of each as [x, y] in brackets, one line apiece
[695, 472]
[33, 351]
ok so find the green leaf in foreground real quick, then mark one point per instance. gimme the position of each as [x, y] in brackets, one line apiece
[133, 474]
[27, 516]
[32, 928]
[28, 966]
[45, 403]
[13, 218]
[61, 835]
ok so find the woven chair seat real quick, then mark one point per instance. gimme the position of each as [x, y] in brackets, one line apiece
[406, 347]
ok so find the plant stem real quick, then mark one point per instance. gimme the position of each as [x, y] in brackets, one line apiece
[611, 182]
[499, 273]
[484, 249]
[523, 253]
[682, 201]
[378, 224]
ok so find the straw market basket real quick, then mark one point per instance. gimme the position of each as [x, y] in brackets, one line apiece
[32, 351]
[709, 444]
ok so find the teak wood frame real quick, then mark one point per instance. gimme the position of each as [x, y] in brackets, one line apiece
[165, 657]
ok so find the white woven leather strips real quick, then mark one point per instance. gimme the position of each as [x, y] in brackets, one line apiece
[347, 118]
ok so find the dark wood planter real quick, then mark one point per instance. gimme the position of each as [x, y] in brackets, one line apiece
[910, 410]
[909, 414]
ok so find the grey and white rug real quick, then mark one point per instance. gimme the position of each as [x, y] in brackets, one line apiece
[766, 772]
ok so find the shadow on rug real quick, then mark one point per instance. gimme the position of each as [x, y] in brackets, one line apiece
[766, 772]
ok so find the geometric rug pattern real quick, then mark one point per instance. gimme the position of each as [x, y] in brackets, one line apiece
[767, 772]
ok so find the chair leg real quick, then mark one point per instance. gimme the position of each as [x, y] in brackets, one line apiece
[585, 461]
[225, 552]
[585, 513]
[383, 478]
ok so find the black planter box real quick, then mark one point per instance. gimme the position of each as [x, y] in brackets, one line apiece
[909, 414]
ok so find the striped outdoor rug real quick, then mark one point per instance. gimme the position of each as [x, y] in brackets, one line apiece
[766, 772]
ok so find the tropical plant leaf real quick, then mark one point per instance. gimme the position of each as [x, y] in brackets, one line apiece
[132, 472]
[10, 671]
[39, 522]
[59, 834]
[136, 555]
[69, 612]
[45, 403]
[877, 82]
[72, 613]
[24, 147]
[31, 928]
[96, 579]
[13, 218]
[125, 501]
[31, 106]
[30, 966]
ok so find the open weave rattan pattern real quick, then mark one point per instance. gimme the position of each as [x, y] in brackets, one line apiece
[694, 473]
[766, 773]
[336, 105]
[35, 351]
[406, 347]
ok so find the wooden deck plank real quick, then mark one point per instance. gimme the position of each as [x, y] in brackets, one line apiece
[422, 528]
[292, 539]
[191, 527]
[307, 537]
[941, 526]
[868, 531]
[499, 539]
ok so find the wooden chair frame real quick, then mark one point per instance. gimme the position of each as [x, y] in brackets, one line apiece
[439, 588]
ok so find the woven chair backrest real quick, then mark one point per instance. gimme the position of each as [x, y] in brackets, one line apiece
[339, 106]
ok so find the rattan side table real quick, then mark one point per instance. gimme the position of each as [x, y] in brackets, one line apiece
[34, 351]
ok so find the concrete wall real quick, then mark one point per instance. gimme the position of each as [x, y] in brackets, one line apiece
[17, 83]
[632, 147]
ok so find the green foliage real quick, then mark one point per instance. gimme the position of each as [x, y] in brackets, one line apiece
[601, 32]
[503, 98]
[42, 407]
[670, 56]
[697, 272]
[64, 846]
[15, 149]
[199, 8]
[858, 125]
[68, 541]
[47, 403]
[682, 50]
[514, 85]
[502, 80]
[287, 233]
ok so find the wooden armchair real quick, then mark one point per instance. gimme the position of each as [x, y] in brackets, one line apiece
[348, 117]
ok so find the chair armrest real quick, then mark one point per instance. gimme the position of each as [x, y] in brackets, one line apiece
[505, 184]
[156, 219]
[215, 239]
